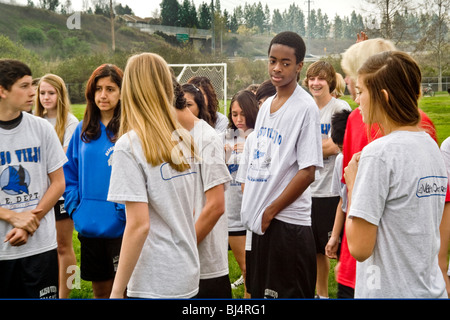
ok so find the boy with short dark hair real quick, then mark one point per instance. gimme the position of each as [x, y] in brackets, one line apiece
[284, 155]
[31, 182]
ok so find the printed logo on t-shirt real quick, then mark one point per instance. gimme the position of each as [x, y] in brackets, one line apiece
[431, 186]
[15, 180]
[168, 173]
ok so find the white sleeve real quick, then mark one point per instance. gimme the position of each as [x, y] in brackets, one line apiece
[127, 182]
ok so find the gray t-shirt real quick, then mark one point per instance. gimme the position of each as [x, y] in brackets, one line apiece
[168, 266]
[213, 250]
[28, 153]
[233, 195]
[321, 187]
[71, 125]
[221, 124]
[400, 187]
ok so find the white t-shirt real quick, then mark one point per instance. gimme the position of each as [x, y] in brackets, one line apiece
[233, 195]
[221, 124]
[28, 153]
[213, 250]
[286, 141]
[168, 266]
[71, 125]
[321, 187]
[337, 186]
[400, 187]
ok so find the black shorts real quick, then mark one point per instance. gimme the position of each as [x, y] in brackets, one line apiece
[215, 288]
[283, 262]
[99, 258]
[60, 212]
[323, 212]
[33, 277]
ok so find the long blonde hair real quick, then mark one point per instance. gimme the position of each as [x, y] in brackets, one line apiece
[147, 95]
[62, 104]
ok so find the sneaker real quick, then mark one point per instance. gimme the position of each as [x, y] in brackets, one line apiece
[237, 283]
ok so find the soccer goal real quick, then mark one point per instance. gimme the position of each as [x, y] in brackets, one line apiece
[216, 72]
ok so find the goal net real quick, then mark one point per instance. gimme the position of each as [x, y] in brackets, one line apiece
[216, 72]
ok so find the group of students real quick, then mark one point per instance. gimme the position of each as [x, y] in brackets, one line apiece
[155, 175]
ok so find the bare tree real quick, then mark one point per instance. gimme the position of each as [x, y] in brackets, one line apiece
[386, 11]
[435, 39]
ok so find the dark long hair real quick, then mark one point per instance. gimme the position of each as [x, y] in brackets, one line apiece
[248, 103]
[206, 86]
[91, 129]
[199, 100]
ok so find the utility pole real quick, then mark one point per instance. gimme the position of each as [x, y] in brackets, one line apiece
[308, 34]
[213, 38]
[111, 13]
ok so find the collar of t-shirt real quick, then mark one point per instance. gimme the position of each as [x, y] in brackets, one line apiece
[11, 124]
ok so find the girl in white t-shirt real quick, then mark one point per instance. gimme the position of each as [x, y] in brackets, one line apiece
[396, 187]
[52, 103]
[242, 117]
[154, 178]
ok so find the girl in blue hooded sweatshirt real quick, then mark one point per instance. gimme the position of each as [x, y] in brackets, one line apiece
[99, 223]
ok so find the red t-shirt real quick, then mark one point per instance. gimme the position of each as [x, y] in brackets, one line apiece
[355, 139]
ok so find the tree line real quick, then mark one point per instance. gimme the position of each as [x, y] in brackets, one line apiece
[401, 23]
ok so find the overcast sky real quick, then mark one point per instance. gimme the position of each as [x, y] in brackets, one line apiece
[145, 8]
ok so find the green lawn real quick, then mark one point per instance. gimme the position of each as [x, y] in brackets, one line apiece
[437, 108]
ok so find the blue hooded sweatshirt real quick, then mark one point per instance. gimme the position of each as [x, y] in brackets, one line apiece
[87, 175]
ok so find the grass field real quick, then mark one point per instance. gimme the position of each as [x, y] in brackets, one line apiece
[437, 108]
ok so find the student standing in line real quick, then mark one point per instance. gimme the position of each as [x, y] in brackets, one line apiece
[100, 223]
[321, 82]
[210, 221]
[52, 103]
[276, 204]
[218, 120]
[31, 182]
[242, 117]
[159, 257]
[391, 206]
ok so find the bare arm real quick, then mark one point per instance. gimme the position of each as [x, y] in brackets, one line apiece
[444, 230]
[333, 242]
[136, 231]
[26, 220]
[53, 193]
[211, 212]
[293, 190]
[329, 148]
[361, 235]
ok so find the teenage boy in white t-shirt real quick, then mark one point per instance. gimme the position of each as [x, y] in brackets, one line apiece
[31, 182]
[276, 204]
[321, 81]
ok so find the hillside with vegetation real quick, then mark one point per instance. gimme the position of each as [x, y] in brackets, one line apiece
[42, 39]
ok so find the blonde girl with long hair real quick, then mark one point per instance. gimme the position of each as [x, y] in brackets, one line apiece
[153, 175]
[52, 103]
